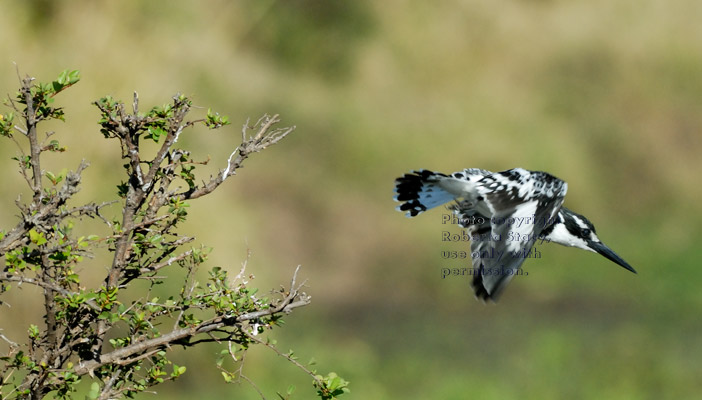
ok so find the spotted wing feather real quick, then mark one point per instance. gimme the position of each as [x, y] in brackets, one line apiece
[422, 190]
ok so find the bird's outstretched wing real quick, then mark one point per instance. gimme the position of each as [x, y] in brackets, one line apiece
[422, 190]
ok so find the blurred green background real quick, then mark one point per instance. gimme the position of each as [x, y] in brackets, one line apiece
[603, 94]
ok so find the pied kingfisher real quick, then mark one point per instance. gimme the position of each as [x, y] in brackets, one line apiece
[504, 214]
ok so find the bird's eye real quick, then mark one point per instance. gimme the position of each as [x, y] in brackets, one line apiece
[586, 232]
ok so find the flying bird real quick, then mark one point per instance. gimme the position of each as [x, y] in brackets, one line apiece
[504, 214]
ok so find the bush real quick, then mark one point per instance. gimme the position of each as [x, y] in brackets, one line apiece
[109, 334]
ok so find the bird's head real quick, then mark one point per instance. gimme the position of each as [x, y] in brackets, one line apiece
[573, 229]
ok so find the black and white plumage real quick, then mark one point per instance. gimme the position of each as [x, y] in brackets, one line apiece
[504, 213]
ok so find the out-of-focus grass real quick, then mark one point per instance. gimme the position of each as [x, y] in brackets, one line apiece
[603, 94]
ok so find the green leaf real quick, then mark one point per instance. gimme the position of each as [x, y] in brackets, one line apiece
[73, 76]
[122, 190]
[25, 161]
[94, 391]
[36, 237]
[33, 331]
[214, 120]
[178, 370]
[6, 124]
[65, 79]
[332, 386]
[53, 178]
[54, 146]
[155, 133]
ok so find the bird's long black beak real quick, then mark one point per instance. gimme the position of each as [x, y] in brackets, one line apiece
[607, 252]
